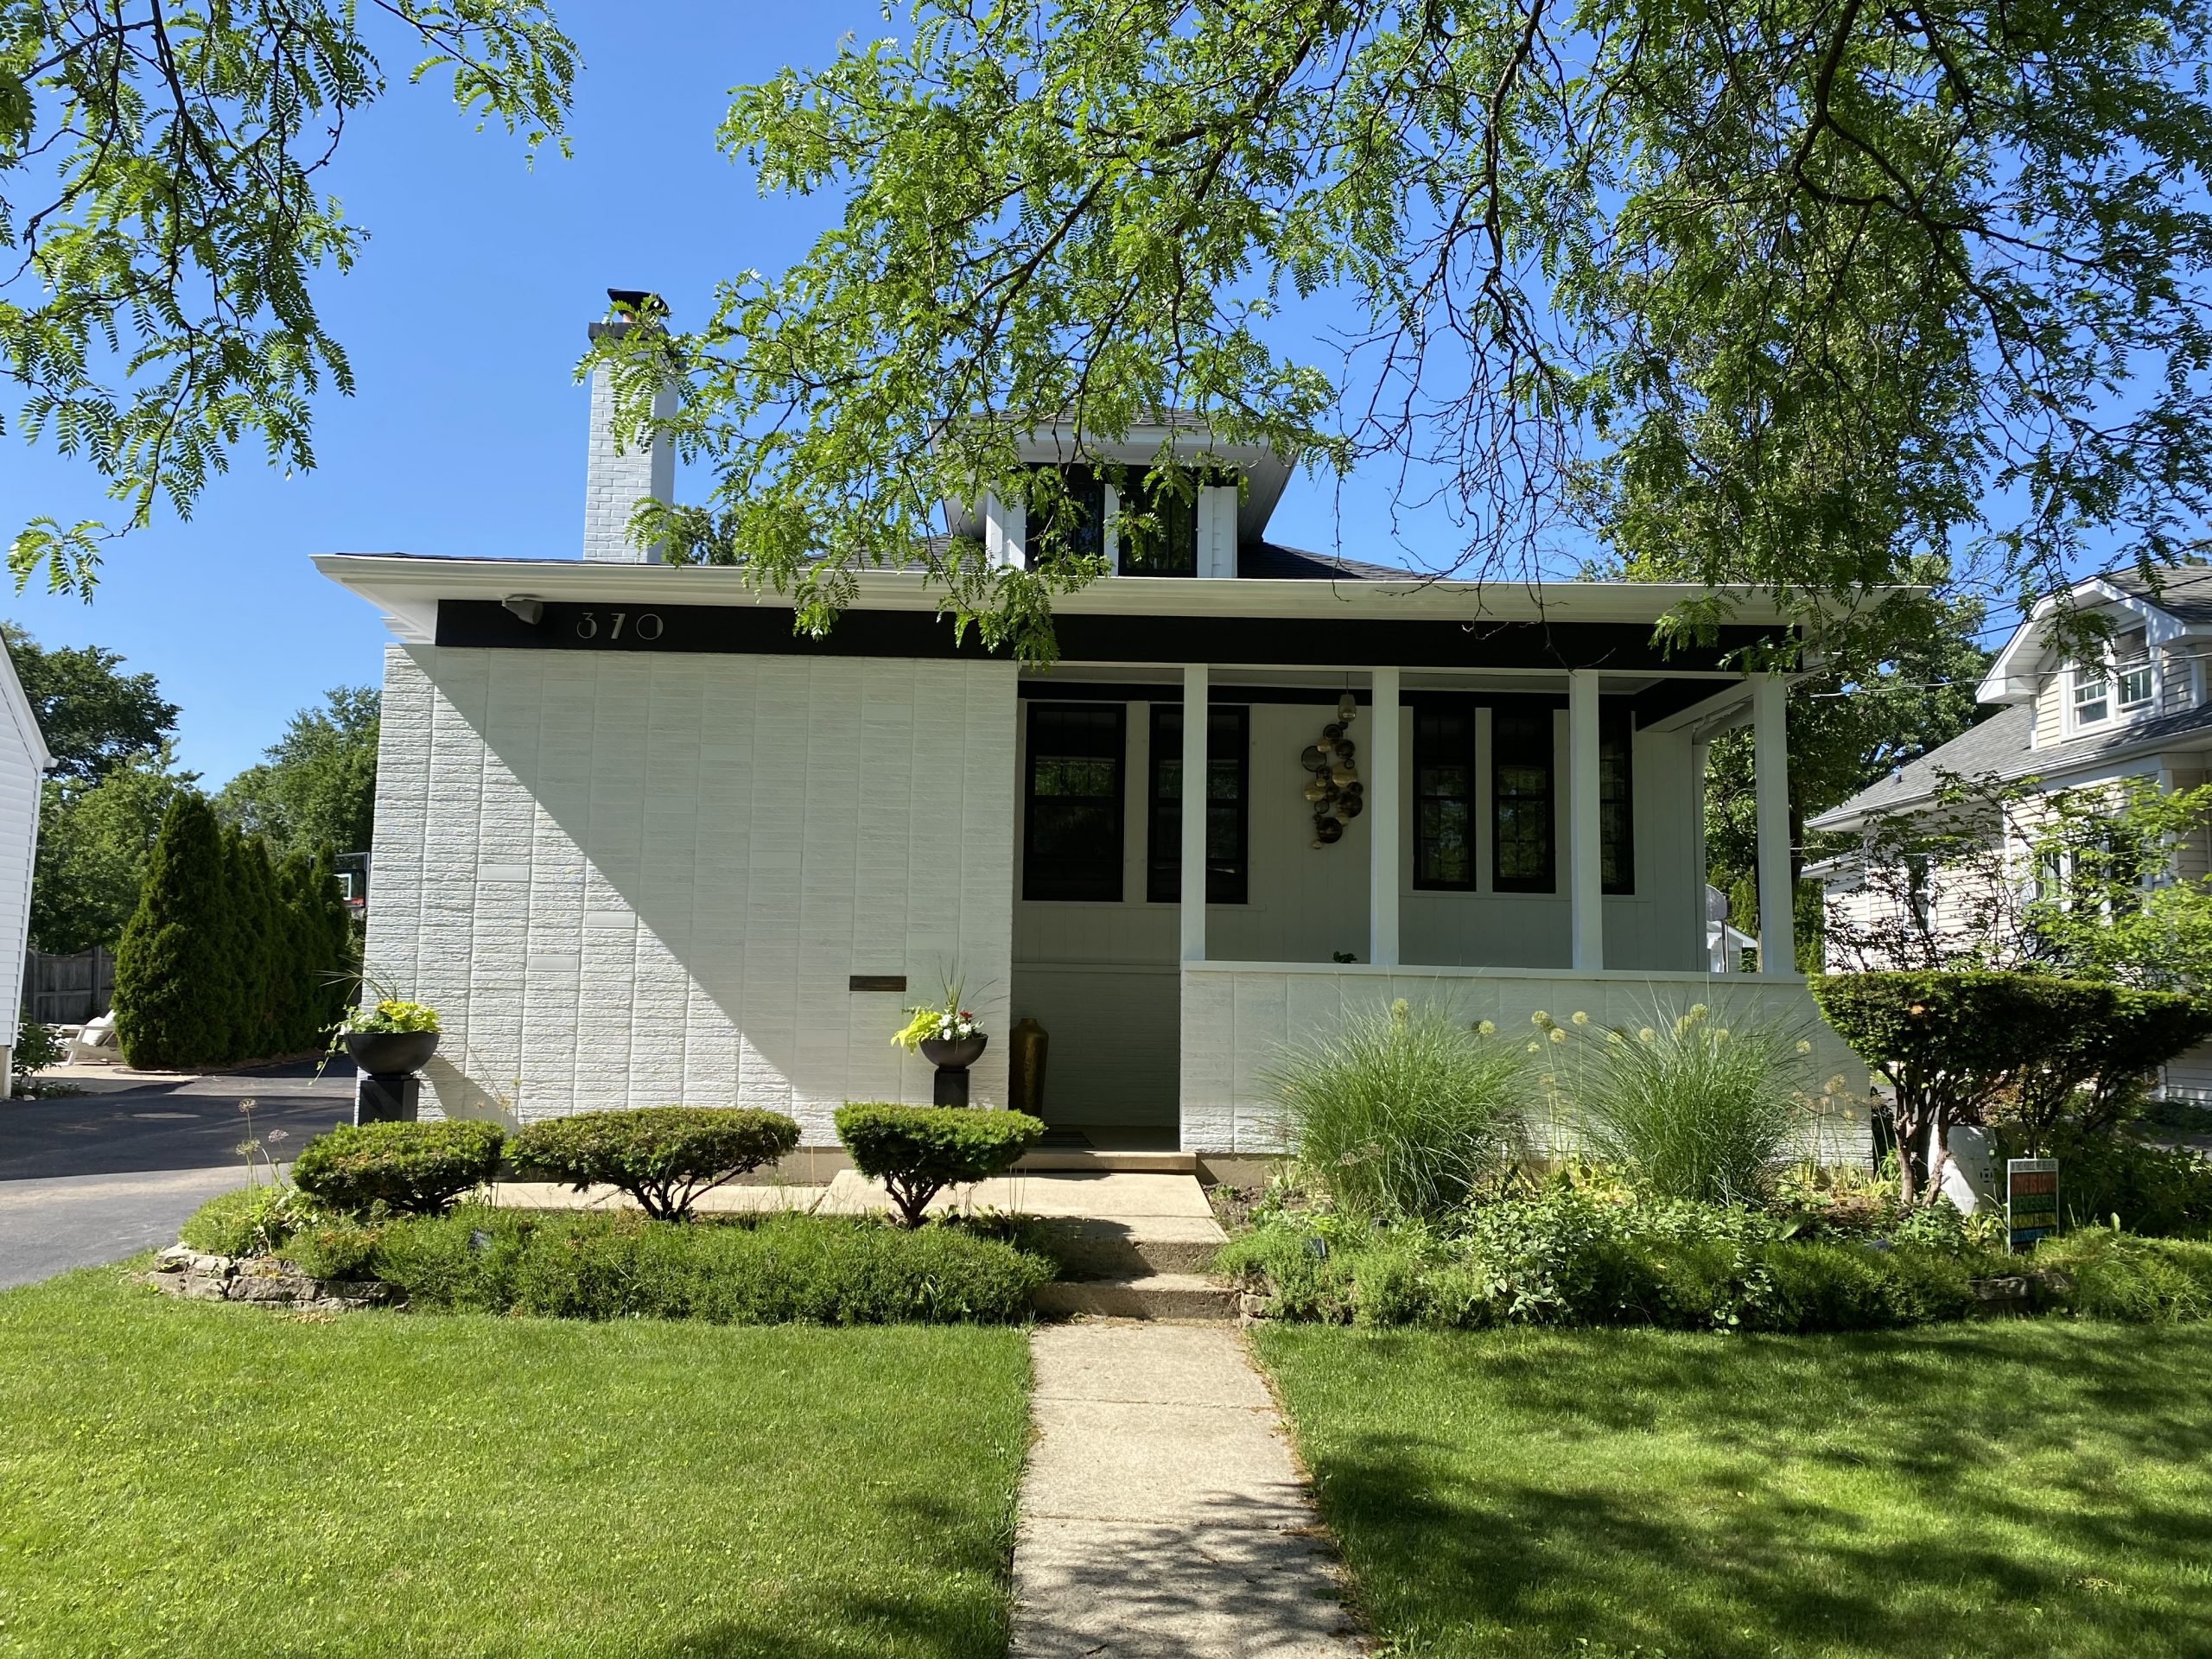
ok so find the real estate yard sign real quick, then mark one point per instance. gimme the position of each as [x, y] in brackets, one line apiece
[2031, 1200]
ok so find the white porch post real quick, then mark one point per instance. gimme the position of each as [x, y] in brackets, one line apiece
[1194, 812]
[1770, 764]
[1382, 815]
[1583, 864]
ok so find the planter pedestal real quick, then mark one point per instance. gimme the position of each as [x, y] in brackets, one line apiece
[390, 1098]
[952, 1056]
[389, 1091]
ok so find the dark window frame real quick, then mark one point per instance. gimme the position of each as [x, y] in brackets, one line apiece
[1617, 798]
[1036, 867]
[1519, 755]
[1080, 488]
[1435, 749]
[1227, 880]
[1174, 505]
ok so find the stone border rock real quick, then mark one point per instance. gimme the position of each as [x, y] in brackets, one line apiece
[267, 1280]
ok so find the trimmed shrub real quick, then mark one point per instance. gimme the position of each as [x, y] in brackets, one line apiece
[918, 1151]
[1699, 1106]
[1403, 1113]
[247, 1221]
[1953, 1046]
[663, 1156]
[772, 1270]
[414, 1168]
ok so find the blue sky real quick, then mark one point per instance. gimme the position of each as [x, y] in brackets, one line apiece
[464, 320]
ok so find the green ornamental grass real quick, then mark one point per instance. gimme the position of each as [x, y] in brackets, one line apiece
[1403, 1114]
[1697, 1106]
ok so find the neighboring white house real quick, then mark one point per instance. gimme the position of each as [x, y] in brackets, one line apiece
[639, 843]
[23, 761]
[2142, 712]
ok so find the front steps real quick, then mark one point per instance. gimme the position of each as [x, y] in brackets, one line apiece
[1151, 1296]
[1132, 1243]
[1130, 1246]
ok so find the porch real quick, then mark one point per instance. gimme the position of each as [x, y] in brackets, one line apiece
[1524, 839]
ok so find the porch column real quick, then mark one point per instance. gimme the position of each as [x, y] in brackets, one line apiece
[1194, 812]
[1382, 816]
[1770, 764]
[1585, 878]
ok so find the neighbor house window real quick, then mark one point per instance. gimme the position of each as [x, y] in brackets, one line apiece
[1444, 797]
[2132, 672]
[1071, 847]
[1521, 787]
[1066, 515]
[1158, 526]
[2092, 694]
[1615, 804]
[1228, 823]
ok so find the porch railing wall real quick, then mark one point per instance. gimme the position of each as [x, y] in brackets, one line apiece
[1241, 1018]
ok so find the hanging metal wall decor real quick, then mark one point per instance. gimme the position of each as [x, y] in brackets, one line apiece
[1335, 792]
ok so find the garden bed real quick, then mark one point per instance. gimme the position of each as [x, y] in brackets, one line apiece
[200, 1481]
[762, 1269]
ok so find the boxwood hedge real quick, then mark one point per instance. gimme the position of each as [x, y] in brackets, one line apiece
[663, 1156]
[918, 1151]
[415, 1168]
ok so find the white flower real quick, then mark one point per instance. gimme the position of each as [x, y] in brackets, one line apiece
[1581, 1018]
[1804, 1046]
[1558, 1035]
[1488, 1028]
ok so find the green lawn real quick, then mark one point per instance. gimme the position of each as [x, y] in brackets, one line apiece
[181, 1479]
[1996, 1489]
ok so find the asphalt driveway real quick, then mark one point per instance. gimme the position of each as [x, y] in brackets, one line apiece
[96, 1177]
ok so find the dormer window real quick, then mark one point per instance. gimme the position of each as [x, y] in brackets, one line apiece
[1158, 527]
[2132, 655]
[1069, 519]
[2092, 694]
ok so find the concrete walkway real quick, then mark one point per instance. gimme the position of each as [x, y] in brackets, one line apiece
[1162, 1513]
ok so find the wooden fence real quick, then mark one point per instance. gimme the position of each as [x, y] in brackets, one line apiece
[67, 991]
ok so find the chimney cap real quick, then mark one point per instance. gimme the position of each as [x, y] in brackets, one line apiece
[631, 310]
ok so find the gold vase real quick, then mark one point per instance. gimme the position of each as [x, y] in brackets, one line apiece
[1028, 1044]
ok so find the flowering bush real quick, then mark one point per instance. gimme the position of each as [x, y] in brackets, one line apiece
[391, 1015]
[942, 1021]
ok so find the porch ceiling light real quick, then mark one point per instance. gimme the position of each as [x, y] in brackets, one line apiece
[530, 610]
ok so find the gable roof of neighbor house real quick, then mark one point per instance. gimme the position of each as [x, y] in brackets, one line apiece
[1999, 747]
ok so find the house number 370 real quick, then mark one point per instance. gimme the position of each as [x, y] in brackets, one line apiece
[642, 624]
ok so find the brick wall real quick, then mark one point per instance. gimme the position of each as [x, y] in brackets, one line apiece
[615, 480]
[634, 881]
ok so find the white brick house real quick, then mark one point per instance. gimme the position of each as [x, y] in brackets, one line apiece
[641, 845]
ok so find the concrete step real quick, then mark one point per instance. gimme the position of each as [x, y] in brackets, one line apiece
[1071, 1158]
[1108, 1247]
[1151, 1296]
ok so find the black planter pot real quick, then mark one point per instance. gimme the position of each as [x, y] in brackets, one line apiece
[952, 1056]
[392, 1053]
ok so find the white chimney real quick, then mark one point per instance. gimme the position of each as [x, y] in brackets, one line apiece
[616, 480]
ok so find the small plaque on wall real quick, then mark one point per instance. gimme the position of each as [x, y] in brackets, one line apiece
[877, 982]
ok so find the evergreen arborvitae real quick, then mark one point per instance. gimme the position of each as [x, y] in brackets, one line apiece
[242, 929]
[175, 978]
